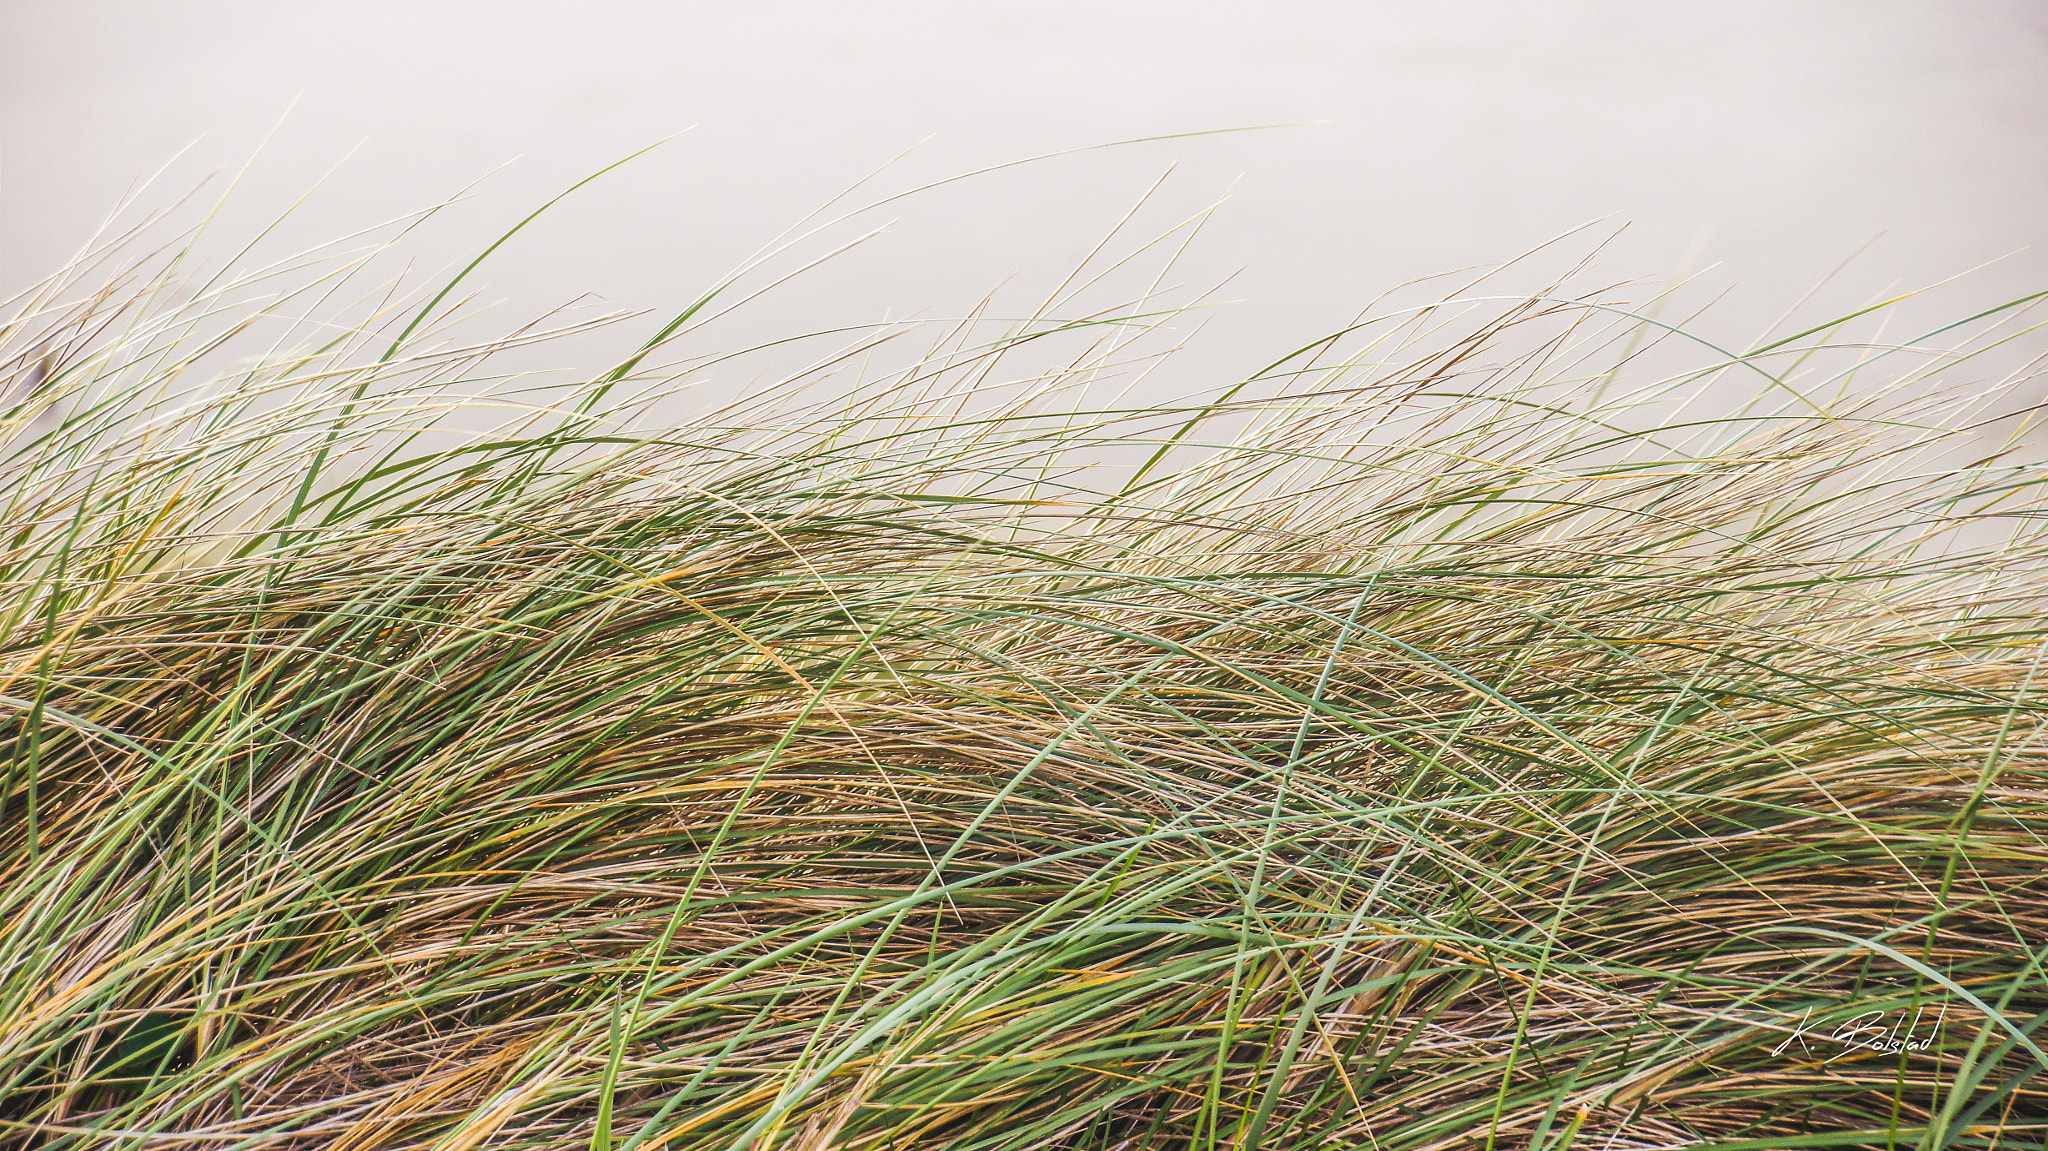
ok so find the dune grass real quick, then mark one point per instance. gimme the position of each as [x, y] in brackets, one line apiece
[1451, 740]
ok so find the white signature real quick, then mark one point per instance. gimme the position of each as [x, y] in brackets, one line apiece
[1865, 1032]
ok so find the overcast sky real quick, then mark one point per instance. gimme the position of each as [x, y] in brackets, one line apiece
[1763, 141]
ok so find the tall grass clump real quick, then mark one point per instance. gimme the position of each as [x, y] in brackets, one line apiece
[1510, 723]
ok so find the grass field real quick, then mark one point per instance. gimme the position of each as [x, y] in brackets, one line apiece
[1456, 738]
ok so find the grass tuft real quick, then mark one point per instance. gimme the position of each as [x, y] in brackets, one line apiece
[1458, 737]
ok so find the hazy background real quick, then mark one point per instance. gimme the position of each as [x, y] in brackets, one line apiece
[1757, 144]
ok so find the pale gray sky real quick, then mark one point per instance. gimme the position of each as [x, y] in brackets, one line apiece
[1771, 137]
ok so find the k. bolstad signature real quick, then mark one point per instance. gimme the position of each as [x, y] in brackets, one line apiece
[1870, 1031]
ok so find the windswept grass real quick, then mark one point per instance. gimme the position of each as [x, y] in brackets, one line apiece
[1451, 741]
